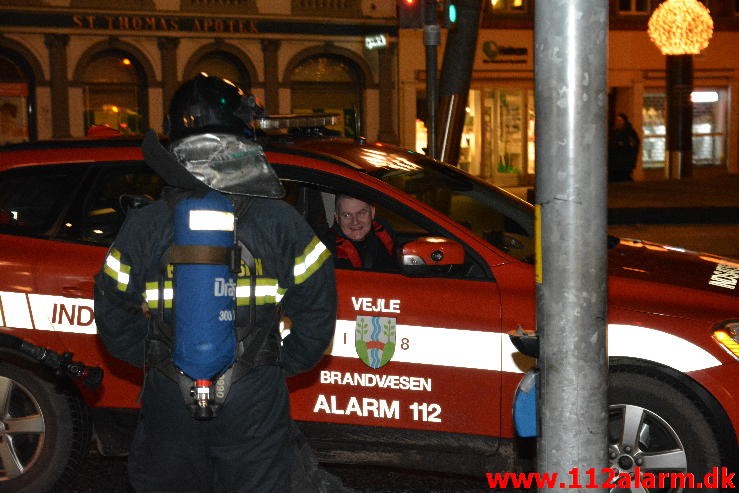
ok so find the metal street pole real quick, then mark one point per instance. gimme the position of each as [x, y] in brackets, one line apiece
[456, 72]
[570, 38]
[431, 40]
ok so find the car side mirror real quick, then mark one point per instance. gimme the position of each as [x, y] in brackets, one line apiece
[431, 255]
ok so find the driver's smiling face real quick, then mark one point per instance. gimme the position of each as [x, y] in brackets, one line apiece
[354, 217]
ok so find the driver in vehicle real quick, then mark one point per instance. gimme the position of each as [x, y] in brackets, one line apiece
[358, 239]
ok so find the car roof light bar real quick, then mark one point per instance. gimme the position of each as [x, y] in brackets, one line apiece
[279, 122]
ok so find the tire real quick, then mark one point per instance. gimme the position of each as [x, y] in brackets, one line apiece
[45, 453]
[656, 427]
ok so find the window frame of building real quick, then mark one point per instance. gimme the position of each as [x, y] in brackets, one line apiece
[330, 89]
[220, 6]
[16, 91]
[642, 7]
[717, 136]
[327, 8]
[507, 7]
[633, 7]
[228, 63]
[94, 88]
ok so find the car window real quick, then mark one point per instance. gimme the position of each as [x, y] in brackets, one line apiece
[31, 199]
[316, 204]
[502, 220]
[113, 190]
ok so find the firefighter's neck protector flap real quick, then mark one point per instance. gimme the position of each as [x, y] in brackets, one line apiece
[227, 163]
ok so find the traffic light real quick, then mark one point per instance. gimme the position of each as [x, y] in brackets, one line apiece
[449, 14]
[410, 14]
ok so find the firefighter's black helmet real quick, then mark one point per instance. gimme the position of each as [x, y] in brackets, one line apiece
[207, 104]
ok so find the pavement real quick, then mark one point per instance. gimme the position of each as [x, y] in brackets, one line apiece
[699, 214]
[713, 200]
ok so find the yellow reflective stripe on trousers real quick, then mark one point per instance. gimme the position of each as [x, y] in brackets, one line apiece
[314, 255]
[117, 270]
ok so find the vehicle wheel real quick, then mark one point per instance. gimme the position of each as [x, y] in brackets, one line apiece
[44, 432]
[654, 427]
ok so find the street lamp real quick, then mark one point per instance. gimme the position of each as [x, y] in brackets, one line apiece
[680, 29]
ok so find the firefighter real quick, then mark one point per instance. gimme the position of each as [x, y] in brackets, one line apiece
[234, 432]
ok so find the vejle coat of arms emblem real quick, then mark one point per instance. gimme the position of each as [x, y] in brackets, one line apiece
[374, 338]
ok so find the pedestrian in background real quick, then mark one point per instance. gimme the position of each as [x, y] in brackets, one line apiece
[623, 150]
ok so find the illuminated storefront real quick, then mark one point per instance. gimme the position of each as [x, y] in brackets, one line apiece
[498, 139]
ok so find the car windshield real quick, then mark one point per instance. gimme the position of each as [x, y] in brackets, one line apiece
[498, 217]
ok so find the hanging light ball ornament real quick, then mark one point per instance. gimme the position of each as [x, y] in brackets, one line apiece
[680, 27]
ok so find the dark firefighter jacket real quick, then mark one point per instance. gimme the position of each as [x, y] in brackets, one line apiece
[293, 268]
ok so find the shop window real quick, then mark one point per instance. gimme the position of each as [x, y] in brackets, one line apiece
[709, 129]
[113, 92]
[642, 6]
[654, 124]
[13, 103]
[497, 141]
[634, 6]
[113, 4]
[324, 8]
[324, 84]
[508, 6]
[222, 65]
[219, 6]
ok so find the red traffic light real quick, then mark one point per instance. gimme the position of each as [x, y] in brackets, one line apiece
[410, 14]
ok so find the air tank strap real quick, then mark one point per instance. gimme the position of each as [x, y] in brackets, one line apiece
[199, 254]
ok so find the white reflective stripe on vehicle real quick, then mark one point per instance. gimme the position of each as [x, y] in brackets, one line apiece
[15, 310]
[206, 220]
[658, 346]
[45, 312]
[414, 344]
[455, 348]
[494, 351]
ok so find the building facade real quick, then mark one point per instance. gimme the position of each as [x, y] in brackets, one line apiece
[66, 65]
